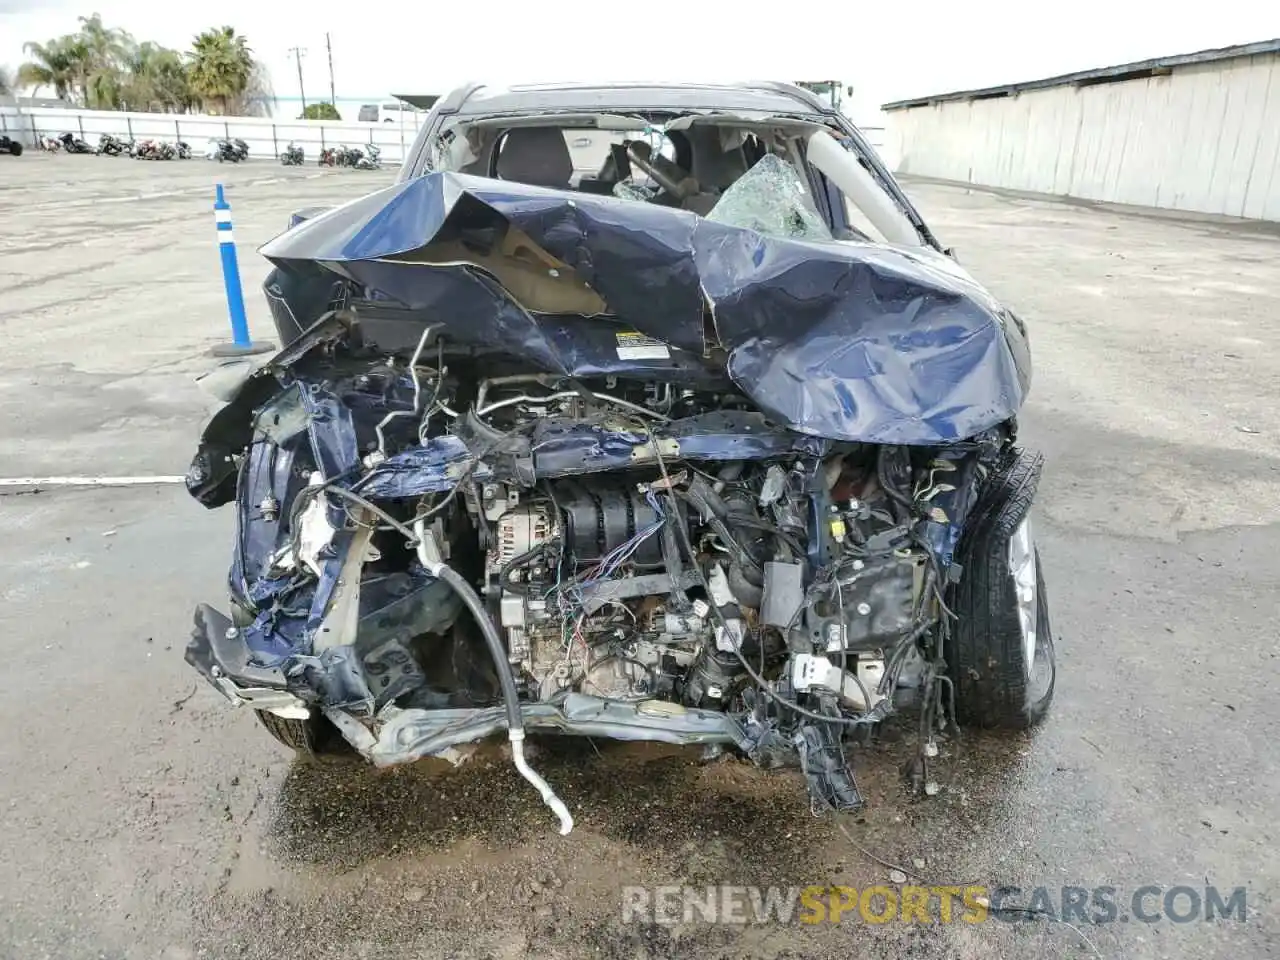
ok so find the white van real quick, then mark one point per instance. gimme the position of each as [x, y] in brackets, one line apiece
[391, 112]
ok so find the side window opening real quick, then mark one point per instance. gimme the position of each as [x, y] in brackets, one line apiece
[857, 221]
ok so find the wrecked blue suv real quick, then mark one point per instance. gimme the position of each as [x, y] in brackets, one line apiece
[646, 412]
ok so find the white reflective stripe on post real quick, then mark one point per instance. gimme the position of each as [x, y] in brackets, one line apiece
[222, 216]
[225, 236]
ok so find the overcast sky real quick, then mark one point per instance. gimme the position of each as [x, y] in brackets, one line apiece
[886, 50]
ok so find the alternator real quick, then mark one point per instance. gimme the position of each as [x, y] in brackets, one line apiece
[522, 529]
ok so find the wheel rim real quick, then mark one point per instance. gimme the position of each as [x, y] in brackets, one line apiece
[1022, 564]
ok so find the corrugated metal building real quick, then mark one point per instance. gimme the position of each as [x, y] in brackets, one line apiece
[1197, 132]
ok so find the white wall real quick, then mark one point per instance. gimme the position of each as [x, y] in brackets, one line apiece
[1205, 138]
[266, 138]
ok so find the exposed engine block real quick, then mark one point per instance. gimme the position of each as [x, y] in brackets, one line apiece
[583, 595]
[581, 577]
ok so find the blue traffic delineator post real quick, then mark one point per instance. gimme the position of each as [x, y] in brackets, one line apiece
[240, 345]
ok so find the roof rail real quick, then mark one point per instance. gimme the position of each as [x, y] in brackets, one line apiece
[459, 95]
[809, 98]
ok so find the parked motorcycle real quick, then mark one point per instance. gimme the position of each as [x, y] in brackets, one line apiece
[292, 156]
[74, 144]
[343, 156]
[10, 146]
[110, 146]
[155, 150]
[49, 144]
[184, 150]
[232, 151]
[372, 160]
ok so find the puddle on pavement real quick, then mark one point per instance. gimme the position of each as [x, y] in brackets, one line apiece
[634, 794]
[466, 862]
[745, 823]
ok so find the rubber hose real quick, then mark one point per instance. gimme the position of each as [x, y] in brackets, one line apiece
[730, 473]
[704, 491]
[718, 525]
[744, 591]
[506, 678]
[708, 501]
[497, 649]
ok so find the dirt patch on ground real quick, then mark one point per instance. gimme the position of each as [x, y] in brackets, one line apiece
[466, 863]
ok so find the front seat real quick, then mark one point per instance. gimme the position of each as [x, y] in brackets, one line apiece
[537, 156]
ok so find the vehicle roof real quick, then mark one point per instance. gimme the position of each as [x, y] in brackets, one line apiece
[762, 96]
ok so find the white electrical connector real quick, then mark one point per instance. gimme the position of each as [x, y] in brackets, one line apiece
[812, 671]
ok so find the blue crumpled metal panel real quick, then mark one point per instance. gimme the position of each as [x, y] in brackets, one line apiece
[846, 341]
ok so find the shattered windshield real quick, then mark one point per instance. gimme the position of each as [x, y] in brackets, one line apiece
[750, 176]
[771, 198]
[633, 189]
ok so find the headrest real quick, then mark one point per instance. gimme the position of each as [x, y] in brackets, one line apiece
[537, 156]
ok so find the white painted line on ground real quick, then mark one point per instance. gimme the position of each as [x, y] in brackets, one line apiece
[162, 194]
[87, 481]
[131, 198]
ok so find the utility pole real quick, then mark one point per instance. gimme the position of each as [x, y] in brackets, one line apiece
[298, 54]
[333, 96]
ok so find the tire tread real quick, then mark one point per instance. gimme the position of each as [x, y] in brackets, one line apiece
[986, 659]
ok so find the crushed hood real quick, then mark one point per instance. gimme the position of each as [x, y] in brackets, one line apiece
[848, 341]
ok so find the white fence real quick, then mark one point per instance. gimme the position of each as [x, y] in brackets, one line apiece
[266, 138]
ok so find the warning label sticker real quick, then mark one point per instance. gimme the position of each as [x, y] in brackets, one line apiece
[633, 345]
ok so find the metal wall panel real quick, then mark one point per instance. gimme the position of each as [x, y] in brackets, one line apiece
[1203, 138]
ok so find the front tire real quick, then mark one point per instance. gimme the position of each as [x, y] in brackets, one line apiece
[1001, 657]
[315, 740]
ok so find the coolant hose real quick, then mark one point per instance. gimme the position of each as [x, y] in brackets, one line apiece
[715, 522]
[744, 591]
[510, 696]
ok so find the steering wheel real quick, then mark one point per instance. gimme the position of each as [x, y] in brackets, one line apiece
[641, 154]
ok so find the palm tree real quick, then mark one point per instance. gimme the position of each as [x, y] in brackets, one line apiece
[55, 64]
[105, 51]
[157, 80]
[6, 82]
[222, 67]
[106, 46]
[105, 68]
[86, 67]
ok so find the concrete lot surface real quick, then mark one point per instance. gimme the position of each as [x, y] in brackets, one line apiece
[144, 818]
